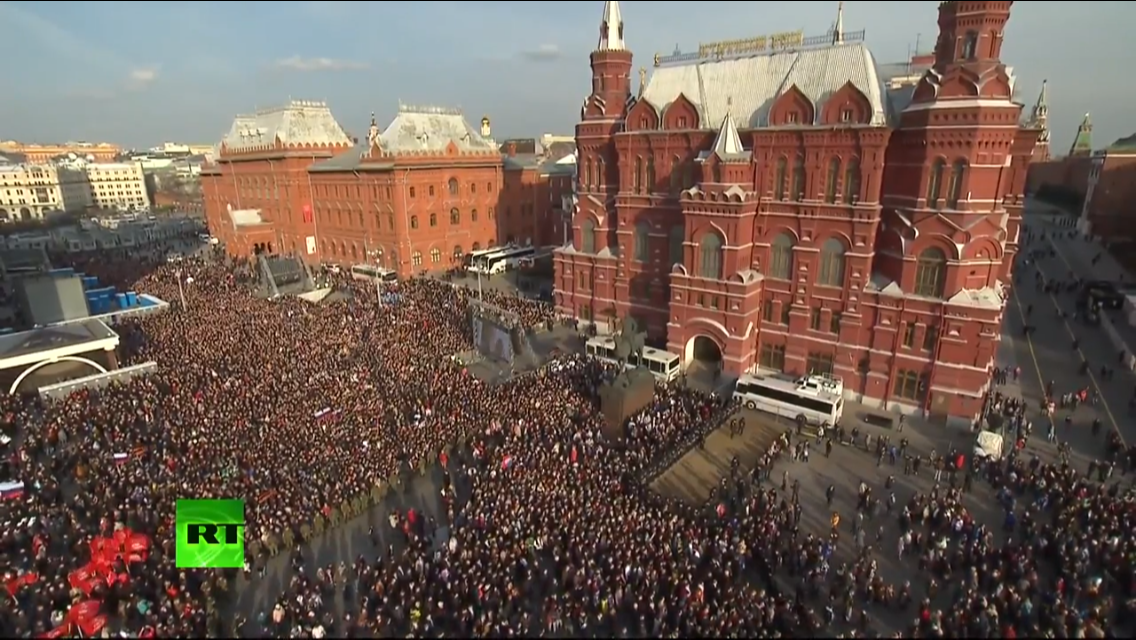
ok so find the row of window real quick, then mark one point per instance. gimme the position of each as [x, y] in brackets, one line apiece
[930, 266]
[682, 177]
[455, 218]
[453, 188]
[772, 356]
[909, 385]
[254, 187]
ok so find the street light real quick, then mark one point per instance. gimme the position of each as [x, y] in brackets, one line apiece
[181, 290]
[377, 254]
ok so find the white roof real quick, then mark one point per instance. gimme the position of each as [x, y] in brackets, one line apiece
[300, 122]
[429, 130]
[748, 86]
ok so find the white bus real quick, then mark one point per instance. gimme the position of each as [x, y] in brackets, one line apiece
[371, 272]
[474, 257]
[817, 399]
[506, 259]
[664, 365]
[480, 263]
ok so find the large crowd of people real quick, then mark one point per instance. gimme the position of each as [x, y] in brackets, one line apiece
[296, 407]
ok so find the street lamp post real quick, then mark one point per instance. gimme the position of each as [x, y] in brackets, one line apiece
[377, 254]
[181, 290]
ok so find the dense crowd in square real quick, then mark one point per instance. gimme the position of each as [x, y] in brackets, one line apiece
[550, 530]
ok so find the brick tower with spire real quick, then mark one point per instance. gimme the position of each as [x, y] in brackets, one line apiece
[602, 115]
[1039, 119]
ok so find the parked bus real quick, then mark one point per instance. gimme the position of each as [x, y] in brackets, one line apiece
[473, 257]
[504, 260]
[813, 399]
[371, 272]
[664, 365]
[480, 262]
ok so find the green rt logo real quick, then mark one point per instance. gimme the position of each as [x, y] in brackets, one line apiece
[210, 534]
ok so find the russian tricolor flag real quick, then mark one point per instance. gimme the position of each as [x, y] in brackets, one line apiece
[326, 413]
[121, 458]
[11, 490]
[506, 462]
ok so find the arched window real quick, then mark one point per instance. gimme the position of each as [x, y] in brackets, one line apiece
[970, 45]
[781, 257]
[642, 241]
[354, 252]
[458, 253]
[433, 219]
[935, 184]
[435, 255]
[931, 273]
[601, 171]
[958, 173]
[638, 177]
[717, 169]
[413, 222]
[588, 236]
[676, 175]
[650, 175]
[586, 174]
[455, 216]
[452, 185]
[416, 258]
[830, 182]
[710, 256]
[797, 192]
[831, 263]
[473, 215]
[677, 238]
[852, 181]
[477, 246]
[780, 182]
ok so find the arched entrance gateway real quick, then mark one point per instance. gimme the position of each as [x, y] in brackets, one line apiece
[703, 353]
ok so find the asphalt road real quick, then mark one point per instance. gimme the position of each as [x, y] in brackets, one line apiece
[1047, 355]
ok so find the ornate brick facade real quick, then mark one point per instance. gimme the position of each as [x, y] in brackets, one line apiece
[413, 197]
[772, 203]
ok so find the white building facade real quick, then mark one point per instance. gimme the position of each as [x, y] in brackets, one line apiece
[119, 186]
[28, 192]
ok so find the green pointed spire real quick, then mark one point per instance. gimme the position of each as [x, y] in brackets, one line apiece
[1083, 144]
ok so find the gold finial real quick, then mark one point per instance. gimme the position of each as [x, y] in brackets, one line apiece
[642, 80]
[373, 118]
[657, 56]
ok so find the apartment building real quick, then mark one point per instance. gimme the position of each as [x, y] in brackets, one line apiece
[28, 192]
[103, 185]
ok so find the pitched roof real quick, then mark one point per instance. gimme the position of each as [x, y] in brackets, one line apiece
[300, 122]
[748, 85]
[429, 130]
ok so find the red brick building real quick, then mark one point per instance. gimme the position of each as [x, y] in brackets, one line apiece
[1101, 184]
[414, 197]
[773, 203]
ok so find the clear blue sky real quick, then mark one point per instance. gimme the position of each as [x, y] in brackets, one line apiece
[138, 73]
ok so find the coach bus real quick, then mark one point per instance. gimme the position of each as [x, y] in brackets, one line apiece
[474, 257]
[371, 272]
[663, 365]
[503, 260]
[814, 399]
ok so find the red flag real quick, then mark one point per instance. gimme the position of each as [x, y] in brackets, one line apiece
[147, 632]
[84, 610]
[139, 544]
[91, 627]
[573, 455]
[80, 576]
[61, 631]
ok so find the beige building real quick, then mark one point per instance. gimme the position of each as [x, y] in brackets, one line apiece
[28, 192]
[103, 185]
